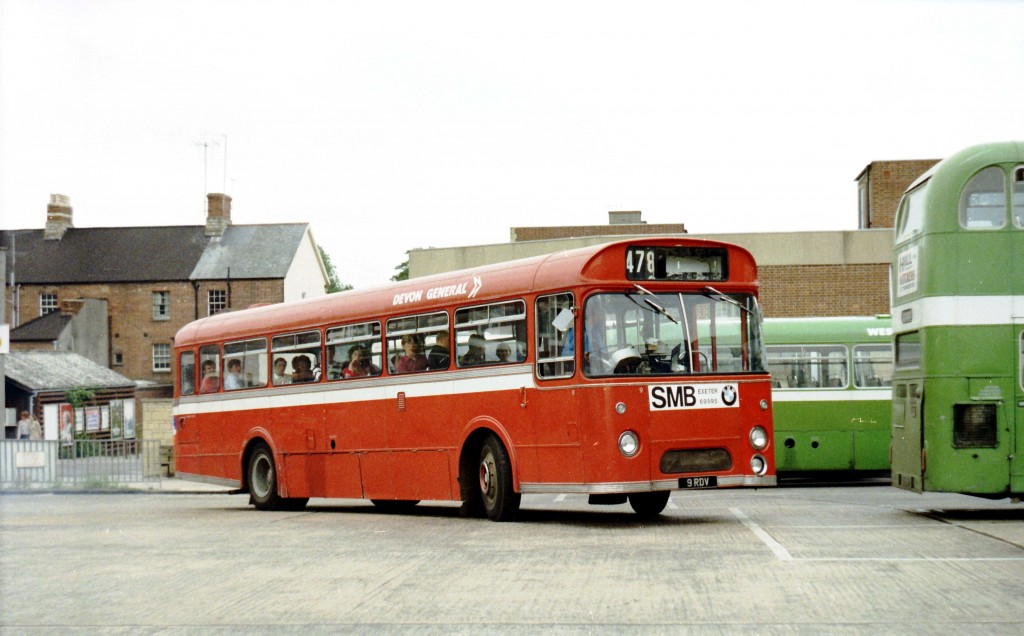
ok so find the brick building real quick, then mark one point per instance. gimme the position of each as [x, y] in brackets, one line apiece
[842, 273]
[153, 280]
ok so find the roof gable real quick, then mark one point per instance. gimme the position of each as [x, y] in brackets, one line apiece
[251, 251]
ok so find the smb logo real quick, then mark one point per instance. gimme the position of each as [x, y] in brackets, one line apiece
[674, 397]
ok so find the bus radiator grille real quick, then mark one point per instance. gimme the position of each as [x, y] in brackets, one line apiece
[697, 460]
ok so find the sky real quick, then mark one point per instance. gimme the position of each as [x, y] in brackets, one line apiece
[390, 126]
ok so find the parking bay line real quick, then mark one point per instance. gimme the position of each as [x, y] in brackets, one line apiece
[780, 551]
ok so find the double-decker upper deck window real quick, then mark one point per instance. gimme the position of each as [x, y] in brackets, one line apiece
[491, 334]
[872, 365]
[910, 218]
[807, 366]
[161, 305]
[300, 353]
[245, 364]
[640, 333]
[983, 200]
[216, 301]
[418, 343]
[353, 351]
[555, 316]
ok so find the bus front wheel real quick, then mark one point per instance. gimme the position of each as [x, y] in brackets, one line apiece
[500, 502]
[262, 473]
[649, 504]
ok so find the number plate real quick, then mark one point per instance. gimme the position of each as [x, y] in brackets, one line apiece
[698, 482]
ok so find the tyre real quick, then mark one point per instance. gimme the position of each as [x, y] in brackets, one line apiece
[649, 504]
[262, 474]
[497, 497]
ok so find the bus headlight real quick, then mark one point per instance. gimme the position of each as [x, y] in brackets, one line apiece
[758, 465]
[629, 444]
[758, 438]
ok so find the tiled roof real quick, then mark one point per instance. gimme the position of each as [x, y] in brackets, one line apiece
[48, 327]
[58, 370]
[137, 254]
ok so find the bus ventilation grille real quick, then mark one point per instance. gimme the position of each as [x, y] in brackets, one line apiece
[696, 460]
[974, 426]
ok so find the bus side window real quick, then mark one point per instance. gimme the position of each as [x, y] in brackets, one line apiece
[301, 352]
[489, 334]
[553, 325]
[209, 369]
[410, 338]
[1017, 197]
[187, 373]
[245, 364]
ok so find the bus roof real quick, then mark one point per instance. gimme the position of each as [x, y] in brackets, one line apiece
[559, 271]
[827, 330]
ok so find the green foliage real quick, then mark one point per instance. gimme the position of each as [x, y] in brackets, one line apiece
[333, 284]
[403, 270]
[80, 396]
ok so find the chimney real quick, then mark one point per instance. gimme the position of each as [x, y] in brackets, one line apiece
[58, 217]
[218, 214]
[626, 217]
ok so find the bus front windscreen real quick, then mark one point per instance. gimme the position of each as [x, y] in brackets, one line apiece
[643, 333]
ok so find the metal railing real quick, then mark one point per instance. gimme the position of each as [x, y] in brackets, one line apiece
[79, 464]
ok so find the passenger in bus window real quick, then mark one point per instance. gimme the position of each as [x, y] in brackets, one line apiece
[281, 375]
[233, 377]
[439, 355]
[413, 359]
[302, 369]
[335, 369]
[503, 352]
[211, 382]
[476, 353]
[359, 364]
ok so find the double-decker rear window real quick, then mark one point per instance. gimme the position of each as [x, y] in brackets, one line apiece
[418, 343]
[983, 200]
[491, 334]
[353, 351]
[296, 358]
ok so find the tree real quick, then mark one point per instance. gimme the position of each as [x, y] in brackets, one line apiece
[402, 269]
[333, 284]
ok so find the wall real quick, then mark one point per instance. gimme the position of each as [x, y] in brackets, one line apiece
[306, 277]
[886, 182]
[159, 421]
[801, 273]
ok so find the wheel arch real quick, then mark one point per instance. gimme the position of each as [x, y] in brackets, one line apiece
[473, 437]
[255, 438]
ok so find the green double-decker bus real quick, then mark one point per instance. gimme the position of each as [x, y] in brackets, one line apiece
[831, 393]
[958, 326]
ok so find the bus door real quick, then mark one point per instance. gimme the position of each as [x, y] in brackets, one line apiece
[907, 415]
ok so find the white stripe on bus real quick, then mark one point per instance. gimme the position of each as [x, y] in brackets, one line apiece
[953, 311]
[830, 395]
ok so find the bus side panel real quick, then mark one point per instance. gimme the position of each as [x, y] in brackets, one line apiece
[602, 461]
[356, 443]
[419, 431]
[555, 421]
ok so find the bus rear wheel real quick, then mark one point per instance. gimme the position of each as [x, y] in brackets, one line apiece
[500, 502]
[262, 474]
[649, 504]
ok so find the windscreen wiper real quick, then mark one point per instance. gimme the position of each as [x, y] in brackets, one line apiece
[650, 303]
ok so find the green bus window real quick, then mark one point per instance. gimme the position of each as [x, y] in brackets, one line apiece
[1018, 196]
[983, 200]
[872, 365]
[1021, 359]
[911, 213]
[908, 350]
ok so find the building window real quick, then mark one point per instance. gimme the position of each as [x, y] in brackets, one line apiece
[161, 357]
[217, 301]
[161, 305]
[47, 303]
